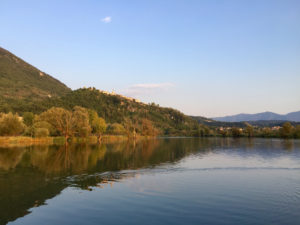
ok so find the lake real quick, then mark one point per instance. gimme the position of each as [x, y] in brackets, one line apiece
[159, 181]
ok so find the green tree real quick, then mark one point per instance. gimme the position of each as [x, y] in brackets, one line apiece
[97, 124]
[80, 120]
[11, 125]
[61, 120]
[28, 118]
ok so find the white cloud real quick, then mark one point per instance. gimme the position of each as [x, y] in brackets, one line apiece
[150, 88]
[106, 19]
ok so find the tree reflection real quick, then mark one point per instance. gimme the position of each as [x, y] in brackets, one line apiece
[10, 158]
[31, 175]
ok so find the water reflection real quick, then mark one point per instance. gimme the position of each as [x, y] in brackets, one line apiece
[31, 175]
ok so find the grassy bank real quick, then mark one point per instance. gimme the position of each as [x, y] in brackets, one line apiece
[25, 141]
[28, 141]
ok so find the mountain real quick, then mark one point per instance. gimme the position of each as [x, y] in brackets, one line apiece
[293, 116]
[20, 80]
[265, 116]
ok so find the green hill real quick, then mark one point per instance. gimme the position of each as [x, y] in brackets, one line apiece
[20, 80]
[23, 88]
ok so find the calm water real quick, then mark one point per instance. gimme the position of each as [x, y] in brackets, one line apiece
[164, 181]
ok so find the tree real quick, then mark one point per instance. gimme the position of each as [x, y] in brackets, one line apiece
[92, 115]
[11, 125]
[97, 124]
[223, 132]
[249, 131]
[129, 127]
[235, 131]
[148, 129]
[287, 130]
[43, 124]
[28, 118]
[206, 131]
[60, 119]
[297, 132]
[117, 129]
[266, 132]
[41, 132]
[80, 120]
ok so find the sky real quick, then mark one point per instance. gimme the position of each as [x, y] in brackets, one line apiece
[206, 58]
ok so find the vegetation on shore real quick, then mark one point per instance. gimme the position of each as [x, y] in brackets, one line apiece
[84, 125]
[77, 123]
[286, 131]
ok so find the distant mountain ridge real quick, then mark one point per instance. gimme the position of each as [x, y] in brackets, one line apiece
[293, 116]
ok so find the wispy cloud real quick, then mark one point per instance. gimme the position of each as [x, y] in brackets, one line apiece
[106, 19]
[150, 88]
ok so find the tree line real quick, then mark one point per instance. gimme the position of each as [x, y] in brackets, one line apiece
[84, 122]
[78, 122]
[286, 131]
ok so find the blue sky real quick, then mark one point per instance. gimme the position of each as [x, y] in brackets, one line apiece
[209, 58]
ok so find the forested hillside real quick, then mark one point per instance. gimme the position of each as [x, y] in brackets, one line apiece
[24, 88]
[114, 109]
[20, 80]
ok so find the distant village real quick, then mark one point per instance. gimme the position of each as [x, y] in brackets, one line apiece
[115, 94]
[274, 128]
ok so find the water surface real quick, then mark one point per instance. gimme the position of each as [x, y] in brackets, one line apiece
[161, 181]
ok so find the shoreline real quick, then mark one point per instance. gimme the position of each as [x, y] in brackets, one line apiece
[24, 141]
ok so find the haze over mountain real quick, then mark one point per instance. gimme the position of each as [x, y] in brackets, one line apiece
[293, 116]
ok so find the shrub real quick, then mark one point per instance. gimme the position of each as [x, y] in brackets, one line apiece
[11, 125]
[41, 132]
[235, 131]
[28, 118]
[287, 130]
[116, 129]
[46, 125]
